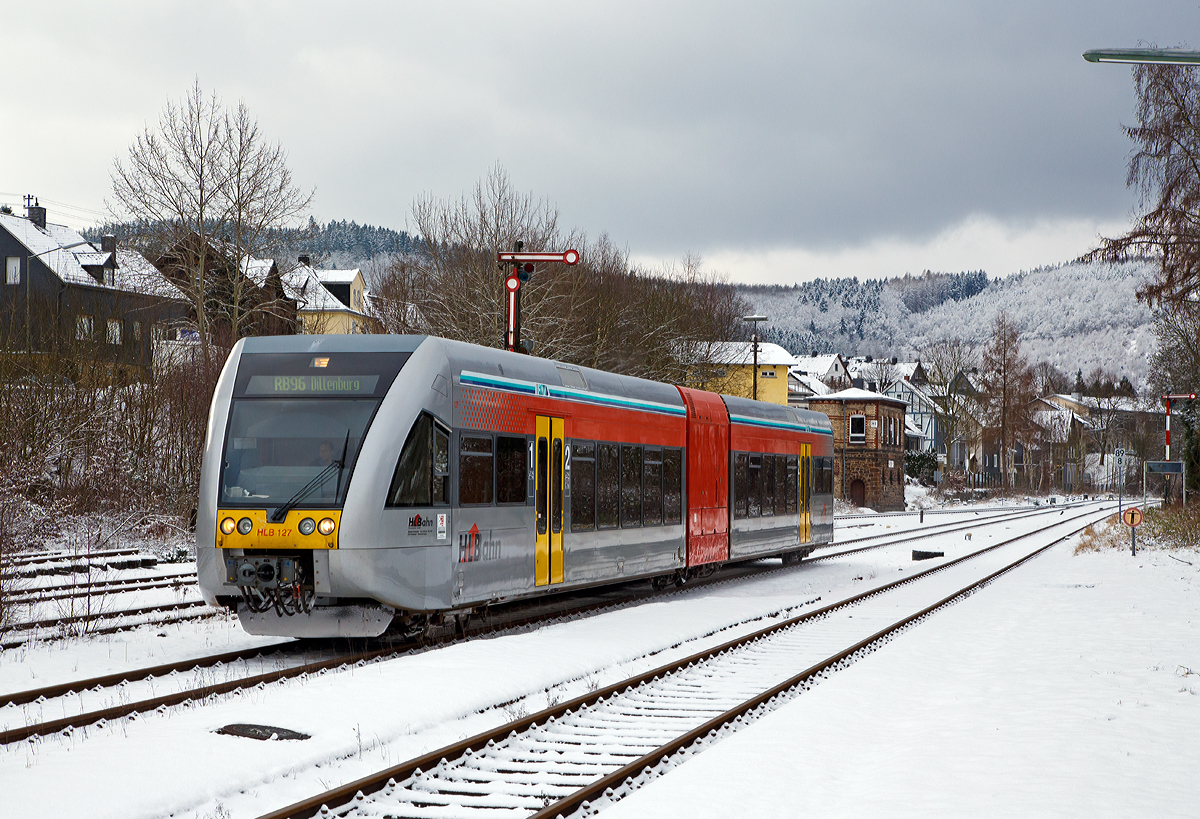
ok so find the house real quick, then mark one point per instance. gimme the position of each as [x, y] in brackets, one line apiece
[921, 412]
[329, 301]
[829, 369]
[802, 386]
[65, 297]
[868, 447]
[733, 370]
[241, 297]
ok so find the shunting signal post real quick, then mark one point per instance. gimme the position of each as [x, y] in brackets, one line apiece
[523, 267]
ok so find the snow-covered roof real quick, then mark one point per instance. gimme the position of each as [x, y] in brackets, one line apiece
[1119, 403]
[337, 276]
[65, 252]
[856, 394]
[741, 352]
[55, 246]
[818, 365]
[257, 270]
[911, 428]
[136, 275]
[809, 383]
[303, 284]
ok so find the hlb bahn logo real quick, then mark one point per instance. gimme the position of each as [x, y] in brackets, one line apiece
[472, 547]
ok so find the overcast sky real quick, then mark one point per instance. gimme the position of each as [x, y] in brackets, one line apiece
[780, 140]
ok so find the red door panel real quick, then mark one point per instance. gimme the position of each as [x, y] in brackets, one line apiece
[707, 477]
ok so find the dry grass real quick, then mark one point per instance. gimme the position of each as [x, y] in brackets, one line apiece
[1103, 536]
[1170, 528]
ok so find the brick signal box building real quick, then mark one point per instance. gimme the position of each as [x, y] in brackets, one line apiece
[868, 447]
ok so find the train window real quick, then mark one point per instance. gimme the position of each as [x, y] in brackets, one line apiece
[652, 487]
[754, 487]
[740, 478]
[631, 485]
[824, 485]
[422, 472]
[673, 486]
[539, 495]
[782, 491]
[768, 484]
[608, 486]
[441, 466]
[583, 487]
[556, 479]
[474, 471]
[510, 469]
[792, 480]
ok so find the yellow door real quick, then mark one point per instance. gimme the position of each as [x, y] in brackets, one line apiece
[549, 474]
[806, 492]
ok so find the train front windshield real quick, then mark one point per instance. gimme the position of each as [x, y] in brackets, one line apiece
[296, 424]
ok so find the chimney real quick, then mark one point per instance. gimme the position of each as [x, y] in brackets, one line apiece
[305, 259]
[108, 244]
[36, 214]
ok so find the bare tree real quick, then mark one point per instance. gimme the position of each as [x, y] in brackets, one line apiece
[602, 312]
[207, 190]
[882, 373]
[1008, 390]
[946, 363]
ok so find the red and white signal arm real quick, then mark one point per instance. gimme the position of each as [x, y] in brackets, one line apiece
[1132, 517]
[566, 257]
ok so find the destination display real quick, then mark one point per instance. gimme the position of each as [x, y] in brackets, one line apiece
[312, 385]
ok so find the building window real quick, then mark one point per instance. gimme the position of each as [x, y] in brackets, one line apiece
[12, 270]
[83, 328]
[858, 429]
[137, 332]
[766, 374]
[113, 335]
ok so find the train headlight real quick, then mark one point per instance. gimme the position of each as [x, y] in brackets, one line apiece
[326, 526]
[308, 526]
[227, 526]
[245, 526]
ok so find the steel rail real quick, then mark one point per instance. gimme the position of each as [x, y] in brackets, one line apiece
[542, 615]
[339, 797]
[136, 674]
[84, 591]
[116, 628]
[30, 625]
[54, 557]
[773, 697]
[114, 582]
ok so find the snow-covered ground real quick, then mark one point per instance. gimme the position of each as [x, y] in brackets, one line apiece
[367, 717]
[1069, 688]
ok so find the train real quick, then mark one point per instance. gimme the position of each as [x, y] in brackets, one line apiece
[354, 485]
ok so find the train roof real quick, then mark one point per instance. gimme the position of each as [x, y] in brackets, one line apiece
[491, 362]
[764, 414]
[488, 361]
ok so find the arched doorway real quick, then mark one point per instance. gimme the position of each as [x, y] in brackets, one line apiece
[858, 493]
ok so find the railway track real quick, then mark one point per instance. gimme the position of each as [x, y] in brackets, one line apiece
[92, 703]
[65, 591]
[575, 757]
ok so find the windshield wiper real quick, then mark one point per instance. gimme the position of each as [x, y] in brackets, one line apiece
[280, 513]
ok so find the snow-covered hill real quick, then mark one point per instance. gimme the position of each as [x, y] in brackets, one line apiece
[1076, 316]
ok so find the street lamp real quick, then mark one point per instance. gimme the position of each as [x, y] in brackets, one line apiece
[29, 270]
[1144, 56]
[754, 345]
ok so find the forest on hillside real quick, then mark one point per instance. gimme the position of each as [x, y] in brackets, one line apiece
[1078, 316]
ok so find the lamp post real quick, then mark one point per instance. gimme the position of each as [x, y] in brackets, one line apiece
[1146, 56]
[28, 293]
[754, 320]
